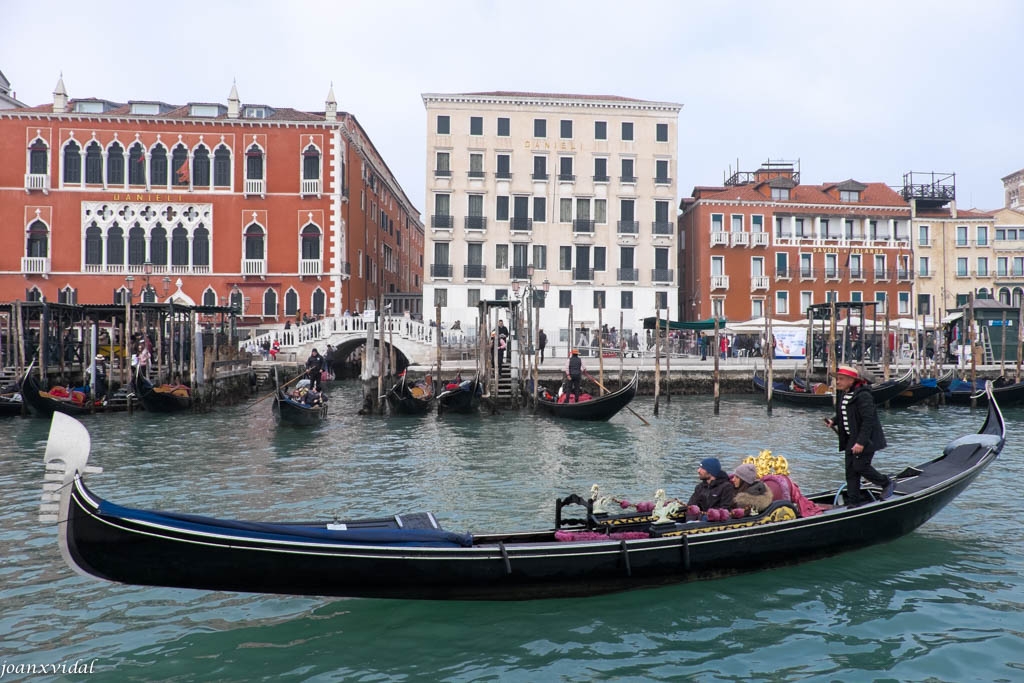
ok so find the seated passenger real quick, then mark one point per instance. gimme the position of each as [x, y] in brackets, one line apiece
[311, 398]
[752, 494]
[714, 490]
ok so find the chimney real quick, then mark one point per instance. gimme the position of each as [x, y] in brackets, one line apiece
[60, 96]
[233, 102]
[331, 105]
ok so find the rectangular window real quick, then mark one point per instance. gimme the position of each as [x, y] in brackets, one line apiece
[502, 170]
[565, 258]
[628, 175]
[472, 297]
[661, 132]
[599, 258]
[717, 222]
[540, 209]
[441, 297]
[626, 300]
[444, 164]
[961, 267]
[806, 263]
[442, 205]
[476, 165]
[982, 233]
[757, 308]
[961, 236]
[501, 256]
[501, 294]
[806, 299]
[565, 129]
[627, 130]
[503, 127]
[476, 205]
[565, 168]
[501, 208]
[444, 125]
[540, 168]
[600, 130]
[717, 265]
[879, 266]
[737, 222]
[881, 298]
[904, 303]
[982, 266]
[923, 231]
[565, 210]
[661, 171]
[924, 304]
[600, 169]
[601, 211]
[540, 257]
[565, 298]
[599, 299]
[540, 128]
[923, 266]
[1002, 264]
[441, 253]
[661, 300]
[782, 303]
[780, 194]
[756, 223]
[781, 264]
[856, 269]
[849, 196]
[857, 296]
[476, 125]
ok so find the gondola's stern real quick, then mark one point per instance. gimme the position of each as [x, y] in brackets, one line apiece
[66, 459]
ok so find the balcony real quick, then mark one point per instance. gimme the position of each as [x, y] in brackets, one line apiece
[310, 187]
[584, 274]
[662, 181]
[35, 265]
[759, 283]
[719, 239]
[255, 186]
[759, 239]
[442, 173]
[628, 274]
[474, 271]
[539, 176]
[719, 282]
[857, 274]
[807, 274]
[629, 227]
[627, 179]
[37, 181]
[930, 273]
[783, 274]
[583, 225]
[521, 223]
[832, 274]
[601, 179]
[886, 276]
[310, 266]
[476, 175]
[254, 266]
[441, 270]
[904, 275]
[442, 221]
[503, 175]
[662, 275]
[740, 239]
[566, 178]
[664, 228]
[519, 272]
[476, 222]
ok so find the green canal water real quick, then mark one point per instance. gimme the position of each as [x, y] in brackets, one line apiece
[943, 604]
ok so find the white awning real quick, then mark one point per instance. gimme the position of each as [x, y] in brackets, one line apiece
[952, 316]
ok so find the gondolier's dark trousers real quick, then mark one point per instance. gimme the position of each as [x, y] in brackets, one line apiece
[574, 385]
[858, 466]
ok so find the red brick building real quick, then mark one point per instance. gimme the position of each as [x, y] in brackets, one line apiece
[278, 211]
[763, 244]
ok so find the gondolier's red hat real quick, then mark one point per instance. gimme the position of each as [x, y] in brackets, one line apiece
[848, 371]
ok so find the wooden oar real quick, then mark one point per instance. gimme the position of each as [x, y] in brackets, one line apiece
[273, 393]
[638, 415]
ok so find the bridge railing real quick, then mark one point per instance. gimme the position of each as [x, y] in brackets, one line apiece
[399, 326]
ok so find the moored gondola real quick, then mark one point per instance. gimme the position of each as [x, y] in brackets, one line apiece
[43, 403]
[164, 398]
[960, 392]
[460, 397]
[820, 397]
[412, 556]
[294, 411]
[927, 389]
[411, 399]
[597, 408]
[11, 404]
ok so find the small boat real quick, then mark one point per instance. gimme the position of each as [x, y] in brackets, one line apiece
[1005, 391]
[819, 395]
[11, 404]
[597, 408]
[927, 388]
[460, 397]
[412, 556]
[411, 399]
[43, 403]
[292, 410]
[163, 398]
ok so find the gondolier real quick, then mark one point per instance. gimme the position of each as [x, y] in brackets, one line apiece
[314, 369]
[860, 434]
[574, 371]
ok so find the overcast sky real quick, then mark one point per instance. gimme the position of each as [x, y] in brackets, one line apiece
[865, 90]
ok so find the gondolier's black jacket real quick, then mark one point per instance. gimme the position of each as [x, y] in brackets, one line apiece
[865, 428]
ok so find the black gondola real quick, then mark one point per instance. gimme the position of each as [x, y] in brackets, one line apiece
[411, 556]
[165, 398]
[291, 410]
[923, 390]
[464, 397]
[1007, 393]
[881, 392]
[410, 399]
[44, 404]
[598, 408]
[10, 404]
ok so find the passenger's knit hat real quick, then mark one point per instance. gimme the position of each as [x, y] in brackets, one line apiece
[746, 472]
[712, 466]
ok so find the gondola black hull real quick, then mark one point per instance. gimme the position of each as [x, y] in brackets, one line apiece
[881, 393]
[142, 547]
[596, 409]
[42, 405]
[402, 403]
[157, 401]
[464, 400]
[10, 407]
[291, 412]
[1011, 394]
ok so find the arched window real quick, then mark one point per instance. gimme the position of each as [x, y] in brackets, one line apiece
[179, 247]
[270, 303]
[115, 164]
[201, 167]
[148, 295]
[209, 297]
[179, 162]
[158, 166]
[136, 246]
[319, 302]
[137, 165]
[983, 293]
[93, 246]
[1018, 297]
[115, 246]
[38, 157]
[158, 245]
[291, 303]
[37, 245]
[311, 163]
[237, 301]
[254, 242]
[33, 294]
[1004, 295]
[222, 167]
[72, 163]
[68, 295]
[201, 246]
[94, 164]
[310, 242]
[254, 163]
